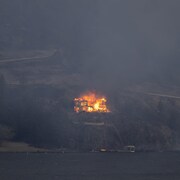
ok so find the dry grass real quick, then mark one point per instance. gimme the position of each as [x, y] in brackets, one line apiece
[19, 147]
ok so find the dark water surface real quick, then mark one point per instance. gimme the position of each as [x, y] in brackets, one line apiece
[90, 166]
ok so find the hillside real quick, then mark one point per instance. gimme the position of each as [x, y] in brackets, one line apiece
[39, 110]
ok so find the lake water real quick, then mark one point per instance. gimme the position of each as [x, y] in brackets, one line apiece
[90, 166]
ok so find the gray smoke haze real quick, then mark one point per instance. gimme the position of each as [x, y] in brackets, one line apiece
[135, 41]
[114, 42]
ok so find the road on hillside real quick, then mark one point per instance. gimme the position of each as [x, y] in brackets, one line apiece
[43, 55]
[162, 95]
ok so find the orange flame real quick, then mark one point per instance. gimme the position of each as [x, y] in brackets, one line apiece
[90, 102]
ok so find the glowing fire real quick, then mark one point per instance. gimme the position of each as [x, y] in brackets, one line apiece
[90, 102]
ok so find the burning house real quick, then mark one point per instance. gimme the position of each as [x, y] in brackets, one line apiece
[90, 103]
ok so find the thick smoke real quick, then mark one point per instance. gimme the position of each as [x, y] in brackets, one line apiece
[134, 42]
